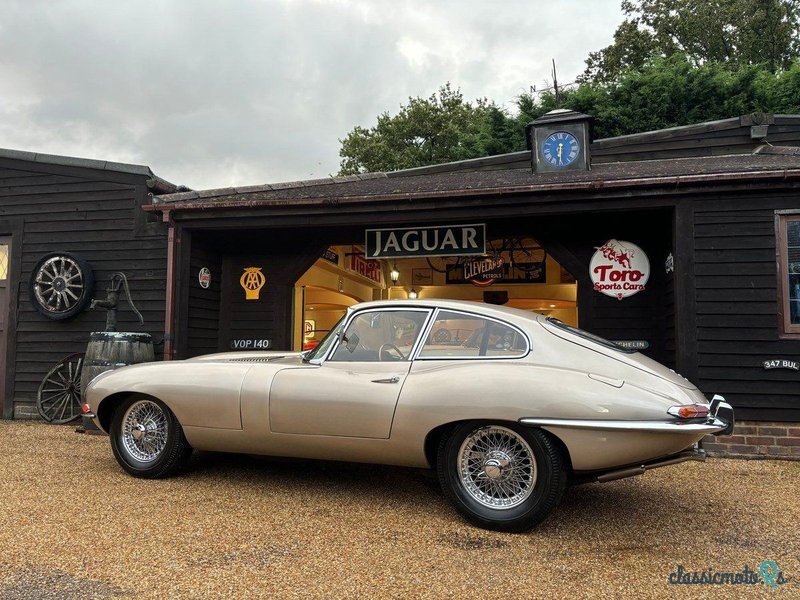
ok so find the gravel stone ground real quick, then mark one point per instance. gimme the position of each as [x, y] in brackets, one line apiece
[74, 525]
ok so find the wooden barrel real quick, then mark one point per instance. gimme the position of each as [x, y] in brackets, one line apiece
[109, 350]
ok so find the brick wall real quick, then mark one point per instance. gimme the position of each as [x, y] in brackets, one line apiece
[26, 411]
[757, 439]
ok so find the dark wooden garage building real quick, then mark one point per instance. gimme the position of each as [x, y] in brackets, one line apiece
[87, 208]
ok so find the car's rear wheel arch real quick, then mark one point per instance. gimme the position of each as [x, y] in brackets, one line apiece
[562, 448]
[435, 436]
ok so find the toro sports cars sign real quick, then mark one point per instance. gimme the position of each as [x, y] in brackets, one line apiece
[619, 269]
[446, 240]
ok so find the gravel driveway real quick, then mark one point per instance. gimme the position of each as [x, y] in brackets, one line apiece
[73, 525]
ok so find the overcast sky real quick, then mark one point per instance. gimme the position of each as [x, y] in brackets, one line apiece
[240, 92]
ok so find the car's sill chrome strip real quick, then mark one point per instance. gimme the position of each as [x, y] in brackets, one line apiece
[709, 426]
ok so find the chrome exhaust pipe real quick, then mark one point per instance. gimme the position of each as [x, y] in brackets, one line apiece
[694, 454]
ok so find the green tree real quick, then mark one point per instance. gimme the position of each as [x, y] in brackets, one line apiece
[426, 131]
[668, 92]
[731, 32]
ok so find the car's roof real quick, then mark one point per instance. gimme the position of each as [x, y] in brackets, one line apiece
[490, 310]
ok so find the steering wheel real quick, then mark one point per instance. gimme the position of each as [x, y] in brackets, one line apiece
[385, 348]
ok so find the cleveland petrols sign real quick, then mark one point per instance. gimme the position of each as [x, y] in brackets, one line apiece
[444, 240]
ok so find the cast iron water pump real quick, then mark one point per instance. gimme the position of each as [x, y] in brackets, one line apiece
[118, 281]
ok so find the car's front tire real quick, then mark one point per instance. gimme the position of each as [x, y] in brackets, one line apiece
[501, 476]
[147, 439]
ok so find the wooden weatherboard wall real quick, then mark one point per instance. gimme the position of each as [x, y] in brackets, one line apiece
[648, 315]
[95, 214]
[736, 288]
[221, 314]
[201, 334]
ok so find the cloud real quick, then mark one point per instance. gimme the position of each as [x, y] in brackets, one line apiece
[210, 94]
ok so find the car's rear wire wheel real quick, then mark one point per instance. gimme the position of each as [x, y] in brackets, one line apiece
[147, 439]
[497, 467]
[501, 475]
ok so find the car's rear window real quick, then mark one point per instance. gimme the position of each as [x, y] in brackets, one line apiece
[589, 336]
[462, 335]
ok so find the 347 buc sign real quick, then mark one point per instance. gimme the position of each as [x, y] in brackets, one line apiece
[443, 240]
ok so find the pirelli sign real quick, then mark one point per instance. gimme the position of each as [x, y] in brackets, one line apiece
[442, 240]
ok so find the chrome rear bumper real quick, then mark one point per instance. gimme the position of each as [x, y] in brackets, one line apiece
[722, 411]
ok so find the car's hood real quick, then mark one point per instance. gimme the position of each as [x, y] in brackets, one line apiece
[633, 359]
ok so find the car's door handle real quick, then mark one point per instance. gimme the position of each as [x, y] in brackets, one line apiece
[389, 380]
[617, 383]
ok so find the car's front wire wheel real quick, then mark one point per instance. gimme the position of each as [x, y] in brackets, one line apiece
[501, 476]
[147, 439]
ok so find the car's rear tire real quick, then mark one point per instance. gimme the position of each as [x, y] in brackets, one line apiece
[147, 439]
[501, 476]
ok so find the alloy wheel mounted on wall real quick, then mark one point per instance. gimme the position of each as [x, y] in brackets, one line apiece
[61, 285]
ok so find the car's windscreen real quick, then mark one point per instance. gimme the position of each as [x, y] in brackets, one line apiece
[589, 336]
[322, 348]
[380, 335]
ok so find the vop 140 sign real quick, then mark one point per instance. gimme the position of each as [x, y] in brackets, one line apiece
[619, 269]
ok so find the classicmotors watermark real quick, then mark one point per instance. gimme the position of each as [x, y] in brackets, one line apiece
[766, 574]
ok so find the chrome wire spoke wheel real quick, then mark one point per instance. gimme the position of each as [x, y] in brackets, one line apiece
[144, 431]
[497, 467]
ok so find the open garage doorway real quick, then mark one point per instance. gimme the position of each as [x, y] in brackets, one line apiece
[514, 271]
[255, 289]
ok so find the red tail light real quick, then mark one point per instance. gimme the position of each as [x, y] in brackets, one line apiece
[85, 408]
[689, 411]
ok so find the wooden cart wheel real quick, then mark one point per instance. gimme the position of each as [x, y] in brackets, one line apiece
[59, 396]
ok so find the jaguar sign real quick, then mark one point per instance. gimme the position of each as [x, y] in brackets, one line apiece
[445, 240]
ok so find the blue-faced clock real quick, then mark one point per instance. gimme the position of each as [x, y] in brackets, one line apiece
[560, 148]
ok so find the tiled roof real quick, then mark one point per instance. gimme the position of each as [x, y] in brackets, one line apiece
[512, 180]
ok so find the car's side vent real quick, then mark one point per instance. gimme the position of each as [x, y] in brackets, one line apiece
[254, 359]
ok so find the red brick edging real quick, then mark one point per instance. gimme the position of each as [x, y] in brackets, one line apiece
[757, 439]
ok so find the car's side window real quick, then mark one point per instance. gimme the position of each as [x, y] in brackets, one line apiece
[384, 335]
[461, 335]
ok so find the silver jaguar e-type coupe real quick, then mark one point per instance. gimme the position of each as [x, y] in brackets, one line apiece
[507, 406]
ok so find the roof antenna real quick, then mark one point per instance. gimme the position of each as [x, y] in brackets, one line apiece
[555, 85]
